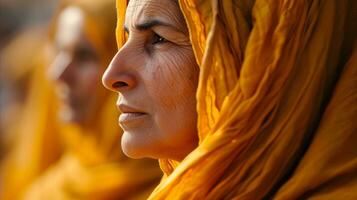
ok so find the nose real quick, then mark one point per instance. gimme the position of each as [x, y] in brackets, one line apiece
[117, 77]
[60, 69]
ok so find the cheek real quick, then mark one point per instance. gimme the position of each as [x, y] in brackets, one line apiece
[175, 113]
[174, 76]
[88, 77]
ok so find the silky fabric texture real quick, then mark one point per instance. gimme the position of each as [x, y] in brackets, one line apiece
[276, 101]
[91, 165]
[35, 141]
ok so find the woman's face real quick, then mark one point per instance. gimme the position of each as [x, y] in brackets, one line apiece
[155, 75]
[76, 67]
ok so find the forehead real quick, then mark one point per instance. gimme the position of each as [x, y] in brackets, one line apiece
[140, 11]
[70, 25]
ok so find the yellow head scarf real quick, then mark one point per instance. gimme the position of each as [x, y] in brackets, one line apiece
[275, 118]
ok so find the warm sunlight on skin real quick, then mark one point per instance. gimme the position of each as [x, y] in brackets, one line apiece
[76, 67]
[155, 75]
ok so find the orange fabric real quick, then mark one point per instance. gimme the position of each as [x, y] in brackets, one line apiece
[268, 69]
[328, 168]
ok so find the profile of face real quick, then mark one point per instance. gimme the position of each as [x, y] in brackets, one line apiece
[76, 67]
[156, 77]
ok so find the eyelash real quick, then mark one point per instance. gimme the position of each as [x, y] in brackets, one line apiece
[157, 39]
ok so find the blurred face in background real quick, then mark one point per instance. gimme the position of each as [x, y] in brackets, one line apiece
[155, 75]
[76, 67]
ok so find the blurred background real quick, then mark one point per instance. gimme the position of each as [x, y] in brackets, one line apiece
[55, 142]
[18, 14]
[15, 17]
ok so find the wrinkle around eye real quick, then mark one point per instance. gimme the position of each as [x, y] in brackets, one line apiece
[173, 36]
[157, 39]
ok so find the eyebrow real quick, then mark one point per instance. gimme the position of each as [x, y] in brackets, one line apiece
[148, 25]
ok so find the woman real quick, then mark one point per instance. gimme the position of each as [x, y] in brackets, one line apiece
[151, 110]
[91, 165]
[271, 122]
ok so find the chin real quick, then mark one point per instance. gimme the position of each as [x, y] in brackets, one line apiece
[71, 118]
[66, 115]
[137, 148]
[130, 148]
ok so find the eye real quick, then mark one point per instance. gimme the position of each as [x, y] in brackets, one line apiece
[157, 39]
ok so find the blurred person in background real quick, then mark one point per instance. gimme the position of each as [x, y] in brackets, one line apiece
[15, 77]
[30, 137]
[21, 33]
[91, 165]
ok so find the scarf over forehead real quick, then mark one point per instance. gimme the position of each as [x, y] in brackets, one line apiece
[275, 101]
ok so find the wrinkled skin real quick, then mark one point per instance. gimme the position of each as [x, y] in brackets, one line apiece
[155, 75]
[76, 67]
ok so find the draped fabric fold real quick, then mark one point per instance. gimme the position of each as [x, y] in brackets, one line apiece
[328, 168]
[268, 76]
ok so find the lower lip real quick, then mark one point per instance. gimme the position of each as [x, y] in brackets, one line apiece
[126, 118]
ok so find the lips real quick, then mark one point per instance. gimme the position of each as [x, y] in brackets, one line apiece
[129, 114]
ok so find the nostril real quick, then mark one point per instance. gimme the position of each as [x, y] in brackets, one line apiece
[119, 84]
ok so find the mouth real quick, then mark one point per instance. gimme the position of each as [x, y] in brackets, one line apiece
[129, 114]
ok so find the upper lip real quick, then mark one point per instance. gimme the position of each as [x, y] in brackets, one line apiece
[127, 109]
